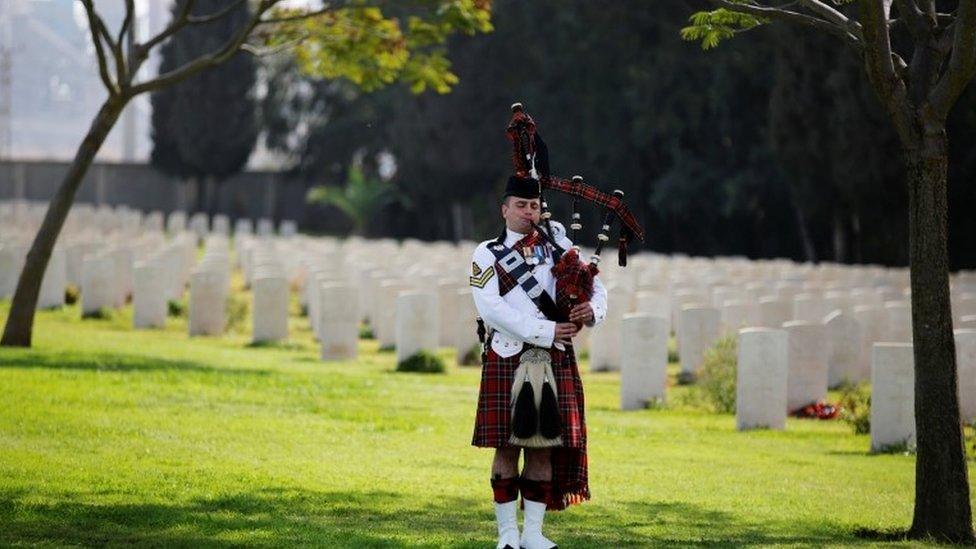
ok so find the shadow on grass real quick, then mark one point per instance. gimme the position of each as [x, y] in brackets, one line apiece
[113, 362]
[291, 517]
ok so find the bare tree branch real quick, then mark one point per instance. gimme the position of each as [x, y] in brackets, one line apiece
[182, 19]
[930, 11]
[99, 50]
[178, 22]
[914, 19]
[962, 60]
[130, 10]
[203, 19]
[265, 52]
[880, 63]
[228, 49]
[781, 14]
[833, 15]
[116, 48]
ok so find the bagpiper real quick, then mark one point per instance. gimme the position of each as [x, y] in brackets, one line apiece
[531, 396]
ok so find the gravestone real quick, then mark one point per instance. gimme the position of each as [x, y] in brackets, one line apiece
[892, 395]
[338, 323]
[699, 327]
[644, 360]
[807, 379]
[416, 323]
[761, 379]
[844, 344]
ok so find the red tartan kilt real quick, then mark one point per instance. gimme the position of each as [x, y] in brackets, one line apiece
[493, 420]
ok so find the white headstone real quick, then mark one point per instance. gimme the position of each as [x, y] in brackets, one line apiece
[243, 227]
[807, 380]
[448, 304]
[774, 311]
[384, 312]
[739, 314]
[605, 337]
[644, 360]
[200, 224]
[123, 257]
[965, 305]
[270, 311]
[149, 302]
[338, 323]
[416, 323]
[966, 368]
[844, 344]
[466, 329]
[809, 308]
[12, 258]
[892, 395]
[699, 327]
[208, 315]
[761, 379]
[176, 222]
[287, 228]
[98, 286]
[654, 303]
[75, 256]
[871, 319]
[899, 322]
[221, 225]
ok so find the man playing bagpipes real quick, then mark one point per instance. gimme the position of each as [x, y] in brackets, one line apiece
[534, 294]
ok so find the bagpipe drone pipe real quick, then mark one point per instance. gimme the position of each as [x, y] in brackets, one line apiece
[530, 159]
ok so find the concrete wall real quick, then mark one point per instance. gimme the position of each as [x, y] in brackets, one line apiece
[250, 194]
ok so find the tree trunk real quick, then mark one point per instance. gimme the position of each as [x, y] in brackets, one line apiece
[215, 188]
[808, 249]
[839, 238]
[858, 242]
[201, 197]
[20, 323]
[942, 508]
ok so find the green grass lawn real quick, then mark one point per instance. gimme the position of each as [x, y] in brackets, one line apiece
[110, 436]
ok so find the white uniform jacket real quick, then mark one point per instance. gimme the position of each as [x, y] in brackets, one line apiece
[514, 316]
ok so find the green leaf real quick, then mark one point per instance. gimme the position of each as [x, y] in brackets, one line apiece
[372, 50]
[711, 27]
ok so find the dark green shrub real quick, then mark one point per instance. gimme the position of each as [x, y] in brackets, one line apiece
[716, 380]
[366, 331]
[71, 294]
[176, 307]
[105, 313]
[686, 378]
[472, 357]
[855, 407]
[422, 361]
[673, 357]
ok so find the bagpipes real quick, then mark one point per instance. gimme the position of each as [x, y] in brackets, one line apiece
[530, 158]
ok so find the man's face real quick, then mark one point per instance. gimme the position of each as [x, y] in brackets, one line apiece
[520, 213]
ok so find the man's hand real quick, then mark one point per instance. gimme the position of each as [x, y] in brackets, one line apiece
[581, 313]
[565, 332]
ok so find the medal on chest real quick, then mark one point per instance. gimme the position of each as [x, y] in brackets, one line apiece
[534, 255]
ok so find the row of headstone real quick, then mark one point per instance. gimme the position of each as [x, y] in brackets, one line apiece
[769, 360]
